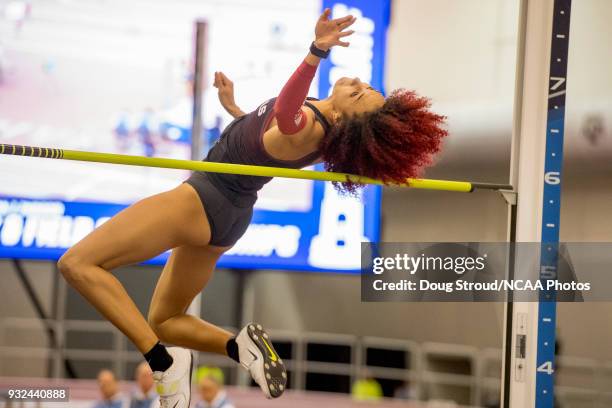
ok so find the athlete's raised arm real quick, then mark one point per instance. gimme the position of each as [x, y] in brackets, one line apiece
[288, 107]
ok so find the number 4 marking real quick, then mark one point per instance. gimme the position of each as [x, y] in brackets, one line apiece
[547, 368]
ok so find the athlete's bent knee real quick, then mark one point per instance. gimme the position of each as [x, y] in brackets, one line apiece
[74, 269]
[157, 325]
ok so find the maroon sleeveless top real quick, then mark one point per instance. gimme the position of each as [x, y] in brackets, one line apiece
[242, 143]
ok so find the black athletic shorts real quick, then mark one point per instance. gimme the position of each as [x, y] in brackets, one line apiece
[229, 214]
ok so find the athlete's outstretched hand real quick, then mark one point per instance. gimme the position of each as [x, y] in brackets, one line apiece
[226, 94]
[226, 89]
[330, 32]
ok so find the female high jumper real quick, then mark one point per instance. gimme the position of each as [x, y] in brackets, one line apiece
[354, 130]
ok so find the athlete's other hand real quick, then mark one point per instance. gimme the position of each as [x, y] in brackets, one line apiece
[226, 94]
[330, 32]
[226, 90]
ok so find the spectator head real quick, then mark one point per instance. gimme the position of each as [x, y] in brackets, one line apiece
[108, 384]
[144, 377]
[210, 382]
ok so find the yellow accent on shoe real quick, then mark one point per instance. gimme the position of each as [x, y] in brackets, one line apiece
[167, 389]
[273, 356]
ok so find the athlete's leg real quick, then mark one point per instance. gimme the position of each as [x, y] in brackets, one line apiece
[142, 231]
[185, 274]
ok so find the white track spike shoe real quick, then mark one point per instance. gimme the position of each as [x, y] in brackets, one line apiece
[174, 384]
[258, 356]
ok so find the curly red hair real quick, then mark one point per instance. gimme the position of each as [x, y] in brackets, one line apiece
[391, 144]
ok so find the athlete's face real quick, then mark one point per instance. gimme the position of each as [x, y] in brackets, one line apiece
[353, 97]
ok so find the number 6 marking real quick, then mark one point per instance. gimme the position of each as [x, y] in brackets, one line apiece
[552, 177]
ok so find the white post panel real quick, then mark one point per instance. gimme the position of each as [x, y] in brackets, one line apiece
[511, 201]
[529, 185]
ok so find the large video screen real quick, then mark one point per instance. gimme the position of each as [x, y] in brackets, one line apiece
[116, 76]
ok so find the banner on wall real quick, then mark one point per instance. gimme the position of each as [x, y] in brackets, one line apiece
[325, 238]
[297, 225]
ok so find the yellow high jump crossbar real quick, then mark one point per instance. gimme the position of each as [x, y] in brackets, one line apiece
[247, 170]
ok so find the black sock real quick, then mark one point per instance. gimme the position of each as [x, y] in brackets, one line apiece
[158, 358]
[232, 349]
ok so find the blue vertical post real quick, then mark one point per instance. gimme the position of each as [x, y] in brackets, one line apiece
[551, 204]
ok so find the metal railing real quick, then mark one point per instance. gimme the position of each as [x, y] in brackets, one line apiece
[468, 375]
